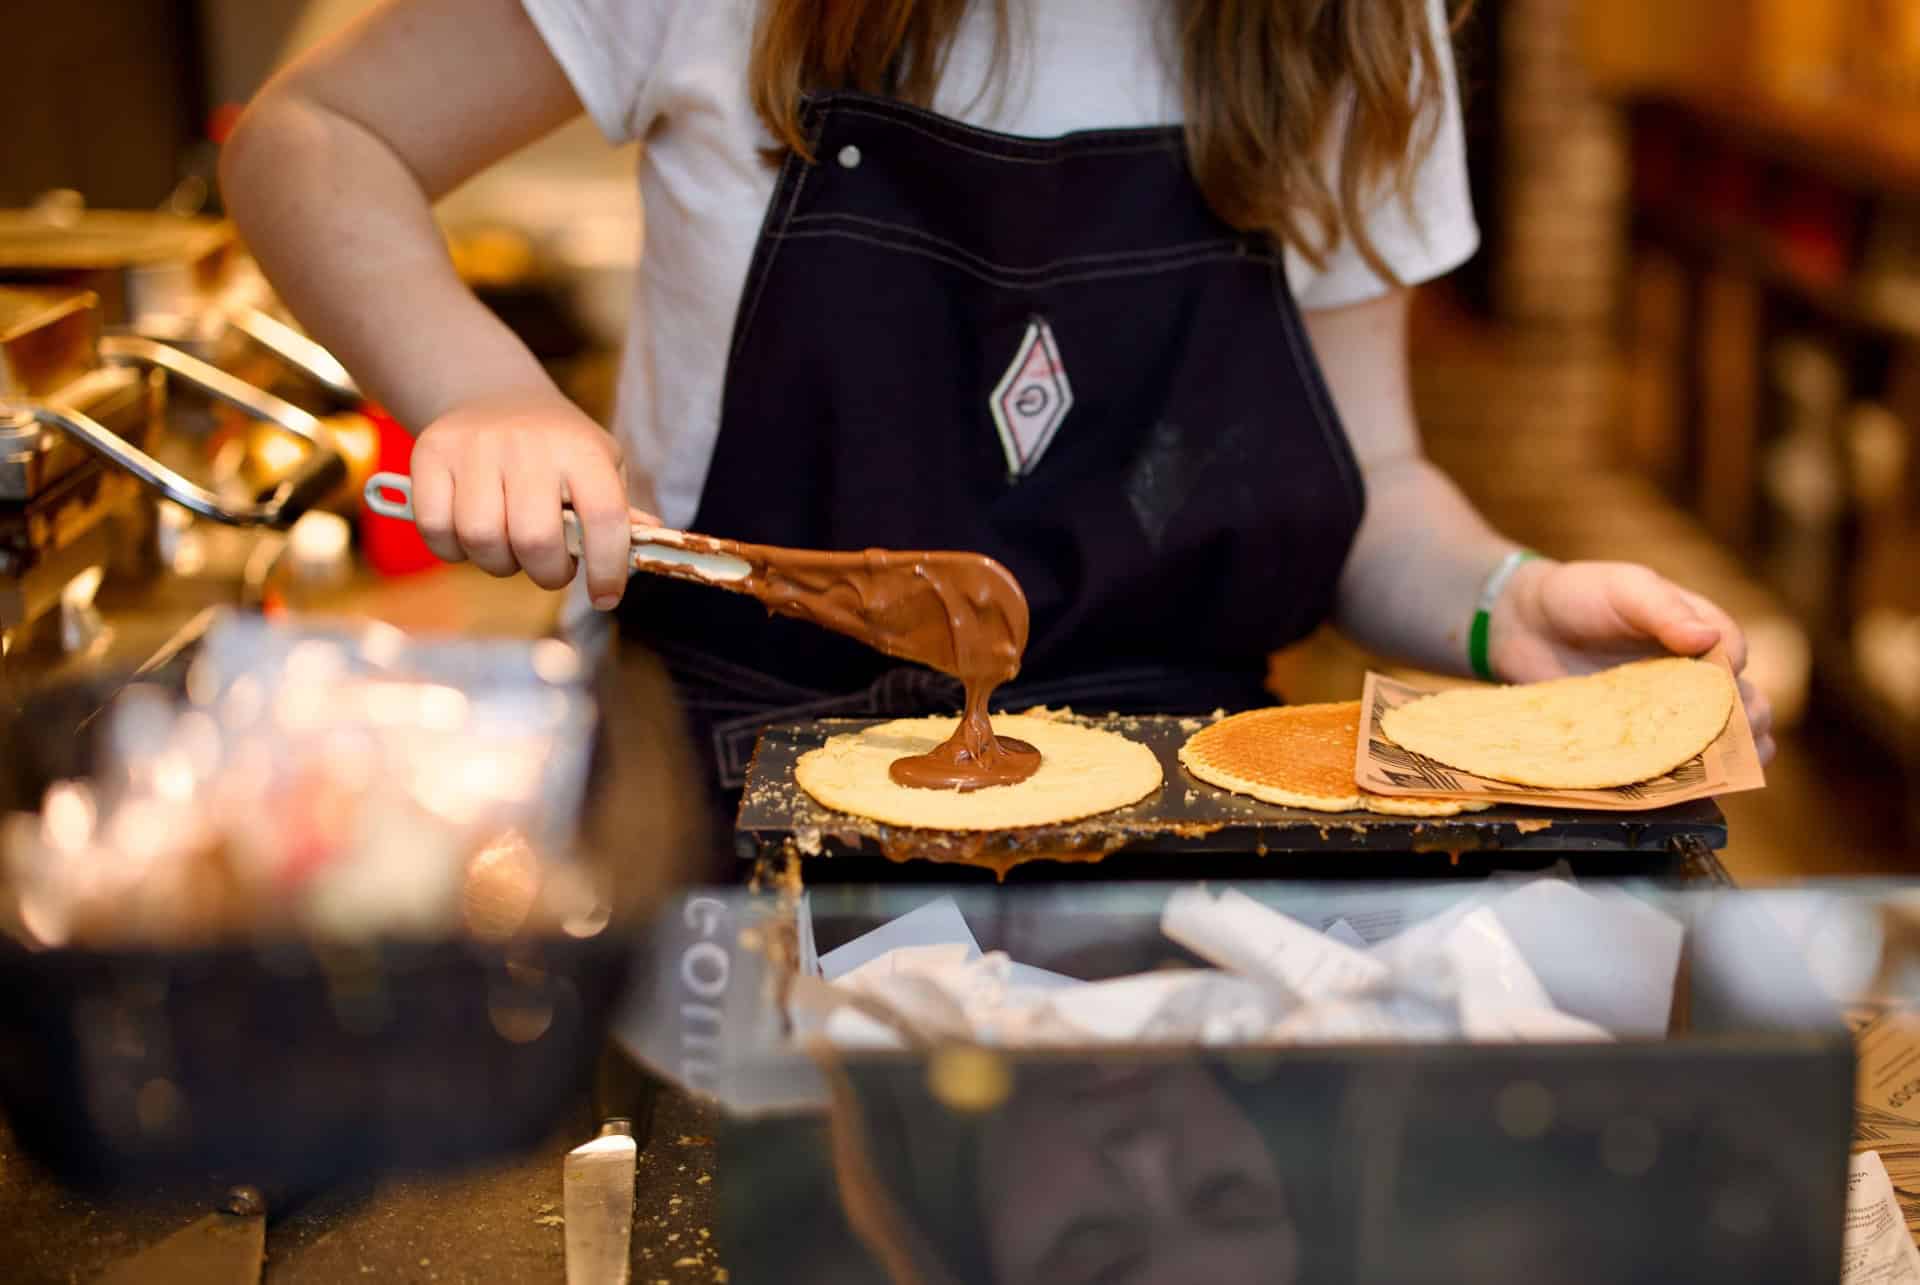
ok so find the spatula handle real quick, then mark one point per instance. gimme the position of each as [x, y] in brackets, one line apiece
[658, 550]
[391, 496]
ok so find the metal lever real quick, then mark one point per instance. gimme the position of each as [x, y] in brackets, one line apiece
[133, 350]
[297, 351]
[279, 507]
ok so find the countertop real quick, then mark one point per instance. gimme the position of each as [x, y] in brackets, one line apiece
[494, 1225]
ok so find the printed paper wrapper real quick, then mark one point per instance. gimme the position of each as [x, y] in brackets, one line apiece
[1728, 766]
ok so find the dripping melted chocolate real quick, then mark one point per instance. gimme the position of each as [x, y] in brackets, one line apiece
[960, 613]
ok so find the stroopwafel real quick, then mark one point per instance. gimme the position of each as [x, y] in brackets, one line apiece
[1298, 756]
[1083, 771]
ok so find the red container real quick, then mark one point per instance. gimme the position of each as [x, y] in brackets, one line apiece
[392, 546]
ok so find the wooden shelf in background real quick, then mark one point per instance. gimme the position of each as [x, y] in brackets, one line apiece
[1863, 143]
[1834, 663]
[1747, 253]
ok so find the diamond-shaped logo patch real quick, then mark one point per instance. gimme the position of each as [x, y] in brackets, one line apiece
[1033, 397]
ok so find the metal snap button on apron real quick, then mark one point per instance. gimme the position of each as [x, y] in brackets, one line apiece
[850, 157]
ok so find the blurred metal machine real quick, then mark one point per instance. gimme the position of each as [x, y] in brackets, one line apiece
[62, 510]
[184, 282]
[139, 352]
[80, 481]
[189, 284]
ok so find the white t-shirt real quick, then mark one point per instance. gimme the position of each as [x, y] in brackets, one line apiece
[674, 74]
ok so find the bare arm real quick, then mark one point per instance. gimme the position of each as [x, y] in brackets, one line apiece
[1422, 556]
[334, 170]
[332, 177]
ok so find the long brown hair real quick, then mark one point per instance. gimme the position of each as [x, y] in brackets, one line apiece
[1265, 85]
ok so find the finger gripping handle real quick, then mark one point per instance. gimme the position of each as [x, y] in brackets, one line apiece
[391, 496]
[380, 492]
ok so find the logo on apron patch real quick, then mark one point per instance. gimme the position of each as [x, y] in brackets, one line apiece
[1031, 399]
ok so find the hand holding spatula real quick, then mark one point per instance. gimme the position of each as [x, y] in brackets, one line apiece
[961, 613]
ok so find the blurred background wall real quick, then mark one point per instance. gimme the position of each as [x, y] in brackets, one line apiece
[108, 99]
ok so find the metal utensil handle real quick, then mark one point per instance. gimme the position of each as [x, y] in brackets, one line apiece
[100, 439]
[376, 495]
[653, 549]
[381, 487]
[318, 475]
[132, 350]
[289, 499]
[297, 351]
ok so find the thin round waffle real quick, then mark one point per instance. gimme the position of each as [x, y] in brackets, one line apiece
[1083, 771]
[1299, 756]
[1621, 725]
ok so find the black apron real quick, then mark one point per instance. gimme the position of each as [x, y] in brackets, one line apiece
[1048, 351]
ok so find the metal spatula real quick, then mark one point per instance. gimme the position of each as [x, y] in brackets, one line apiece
[897, 593]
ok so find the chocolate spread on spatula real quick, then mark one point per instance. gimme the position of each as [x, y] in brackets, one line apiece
[960, 613]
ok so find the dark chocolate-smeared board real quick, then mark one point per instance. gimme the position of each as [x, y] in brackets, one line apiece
[1187, 827]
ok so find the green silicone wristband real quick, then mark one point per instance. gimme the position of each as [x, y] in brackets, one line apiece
[1477, 633]
[1477, 646]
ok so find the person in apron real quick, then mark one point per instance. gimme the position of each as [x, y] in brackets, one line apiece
[996, 309]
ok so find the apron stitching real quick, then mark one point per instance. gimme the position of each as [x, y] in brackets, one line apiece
[1060, 156]
[795, 172]
[1113, 257]
[1149, 137]
[1065, 278]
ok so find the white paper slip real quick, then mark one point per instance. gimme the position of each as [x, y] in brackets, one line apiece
[1242, 936]
[1374, 924]
[1027, 977]
[1528, 1026]
[1491, 970]
[922, 1005]
[935, 924]
[1604, 956]
[849, 1028]
[1343, 932]
[1840, 937]
[1400, 1020]
[1121, 1008]
[938, 962]
[1174, 1006]
[1416, 948]
[1877, 1248]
